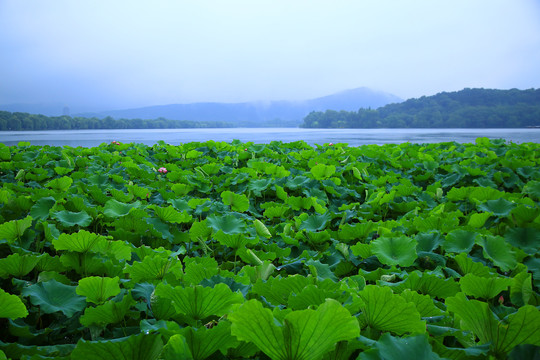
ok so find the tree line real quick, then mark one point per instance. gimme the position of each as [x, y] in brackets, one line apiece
[468, 108]
[25, 121]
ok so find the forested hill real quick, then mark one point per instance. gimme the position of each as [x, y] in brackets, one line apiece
[468, 108]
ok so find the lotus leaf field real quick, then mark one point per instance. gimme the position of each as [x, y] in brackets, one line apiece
[278, 251]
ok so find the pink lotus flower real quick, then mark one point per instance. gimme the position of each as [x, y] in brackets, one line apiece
[115, 142]
[162, 170]
[331, 144]
[501, 300]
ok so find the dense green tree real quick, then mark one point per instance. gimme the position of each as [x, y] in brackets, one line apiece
[468, 108]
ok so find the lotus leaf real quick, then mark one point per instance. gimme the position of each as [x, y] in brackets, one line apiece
[52, 296]
[203, 342]
[229, 224]
[394, 348]
[237, 202]
[526, 239]
[134, 347]
[459, 241]
[60, 185]
[395, 250]
[81, 242]
[11, 306]
[114, 208]
[169, 214]
[385, 311]
[303, 335]
[40, 210]
[69, 218]
[154, 268]
[499, 207]
[97, 289]
[522, 327]
[482, 287]
[111, 312]
[200, 302]
[13, 230]
[18, 265]
[499, 251]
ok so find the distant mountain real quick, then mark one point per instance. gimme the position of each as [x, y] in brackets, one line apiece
[257, 112]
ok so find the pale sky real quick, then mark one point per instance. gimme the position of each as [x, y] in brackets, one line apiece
[101, 54]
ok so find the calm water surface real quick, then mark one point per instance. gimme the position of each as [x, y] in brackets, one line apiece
[353, 137]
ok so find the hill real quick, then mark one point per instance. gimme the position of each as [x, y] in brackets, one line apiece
[468, 108]
[277, 113]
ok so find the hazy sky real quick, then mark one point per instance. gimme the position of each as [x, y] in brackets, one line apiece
[116, 54]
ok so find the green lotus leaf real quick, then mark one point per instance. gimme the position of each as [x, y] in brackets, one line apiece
[526, 239]
[229, 224]
[428, 284]
[423, 303]
[521, 290]
[386, 311]
[60, 185]
[69, 218]
[522, 327]
[310, 296]
[115, 209]
[120, 250]
[237, 202]
[258, 186]
[111, 312]
[499, 207]
[97, 289]
[297, 182]
[153, 269]
[159, 228]
[13, 230]
[299, 202]
[17, 265]
[357, 231]
[395, 250]
[81, 242]
[315, 222]
[428, 241]
[533, 264]
[499, 251]
[320, 271]
[40, 210]
[389, 347]
[482, 287]
[277, 290]
[203, 342]
[532, 188]
[261, 229]
[478, 220]
[275, 211]
[444, 223]
[169, 214]
[524, 214]
[459, 241]
[234, 241]
[322, 171]
[469, 266]
[177, 349]
[200, 230]
[134, 347]
[303, 335]
[200, 302]
[200, 268]
[52, 296]
[11, 306]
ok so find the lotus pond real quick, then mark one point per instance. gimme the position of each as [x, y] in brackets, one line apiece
[281, 251]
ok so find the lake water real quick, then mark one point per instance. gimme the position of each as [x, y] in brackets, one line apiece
[353, 137]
